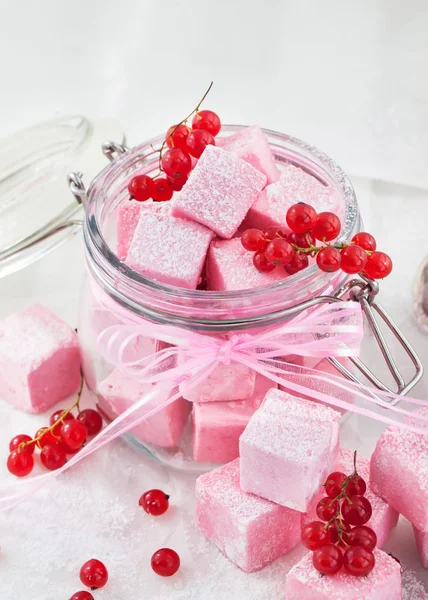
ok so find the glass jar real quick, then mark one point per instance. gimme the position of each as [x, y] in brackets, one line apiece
[213, 313]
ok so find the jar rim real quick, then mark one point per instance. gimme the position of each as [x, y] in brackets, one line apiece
[133, 290]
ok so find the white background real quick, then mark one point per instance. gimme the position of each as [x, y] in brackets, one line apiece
[349, 77]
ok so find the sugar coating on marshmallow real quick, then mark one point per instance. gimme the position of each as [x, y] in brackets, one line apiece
[399, 471]
[252, 145]
[39, 358]
[422, 544]
[384, 518]
[225, 383]
[295, 185]
[304, 582]
[230, 267]
[164, 428]
[288, 449]
[219, 192]
[169, 249]
[250, 531]
[128, 215]
[218, 425]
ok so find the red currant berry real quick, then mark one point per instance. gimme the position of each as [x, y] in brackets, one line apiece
[327, 508]
[208, 120]
[299, 262]
[74, 433]
[253, 240]
[16, 442]
[353, 259]
[328, 260]
[326, 227]
[20, 464]
[279, 252]
[328, 560]
[165, 562]
[302, 240]
[94, 574]
[59, 415]
[261, 264]
[365, 241]
[140, 188]
[47, 437]
[92, 420]
[300, 217]
[177, 184]
[358, 561]
[197, 142]
[53, 456]
[176, 163]
[82, 596]
[356, 486]
[339, 533]
[176, 136]
[363, 536]
[274, 232]
[161, 190]
[334, 484]
[357, 510]
[378, 266]
[315, 535]
[154, 502]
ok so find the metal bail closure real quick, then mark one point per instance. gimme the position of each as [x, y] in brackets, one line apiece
[365, 293]
[112, 149]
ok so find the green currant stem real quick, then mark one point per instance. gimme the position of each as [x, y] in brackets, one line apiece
[313, 250]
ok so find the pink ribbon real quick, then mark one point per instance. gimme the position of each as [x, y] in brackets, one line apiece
[187, 358]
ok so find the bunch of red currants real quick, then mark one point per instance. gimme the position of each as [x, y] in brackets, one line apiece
[341, 537]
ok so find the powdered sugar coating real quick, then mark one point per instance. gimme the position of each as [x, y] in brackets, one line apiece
[384, 517]
[218, 425]
[288, 448]
[128, 215]
[250, 531]
[39, 357]
[219, 192]
[169, 249]
[399, 471]
[304, 582]
[294, 185]
[230, 267]
[251, 145]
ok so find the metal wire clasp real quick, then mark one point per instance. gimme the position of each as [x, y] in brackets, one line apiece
[365, 291]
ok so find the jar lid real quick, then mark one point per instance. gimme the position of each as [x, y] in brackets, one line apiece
[37, 212]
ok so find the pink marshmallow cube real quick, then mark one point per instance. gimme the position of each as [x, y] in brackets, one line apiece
[169, 249]
[226, 383]
[128, 215]
[218, 425]
[422, 544]
[39, 358]
[384, 517]
[250, 531]
[294, 185]
[219, 192]
[230, 267]
[288, 448]
[251, 145]
[399, 471]
[164, 428]
[304, 582]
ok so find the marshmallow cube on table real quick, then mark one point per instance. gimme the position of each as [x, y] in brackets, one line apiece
[40, 359]
[169, 249]
[219, 192]
[304, 582]
[164, 428]
[218, 425]
[288, 448]
[251, 145]
[230, 267]
[294, 185]
[384, 518]
[399, 470]
[249, 530]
